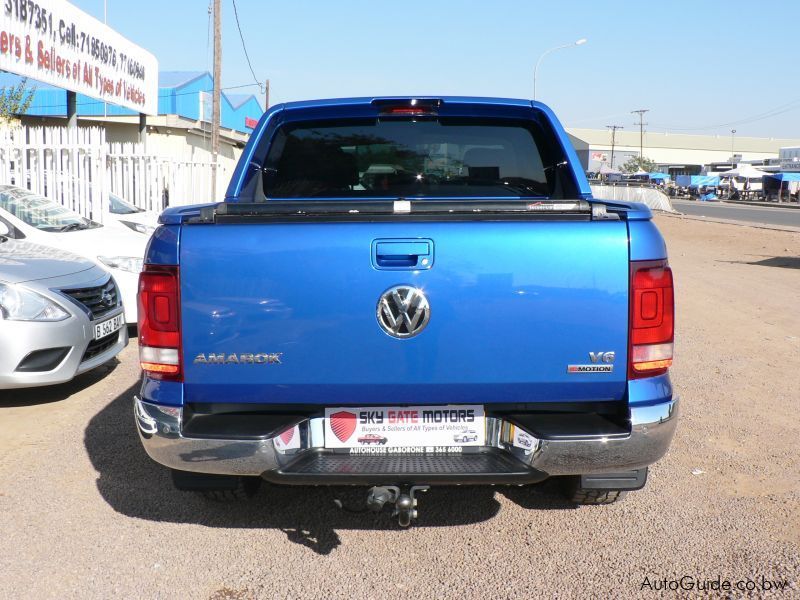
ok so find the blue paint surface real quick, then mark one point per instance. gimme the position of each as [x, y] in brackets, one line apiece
[512, 303]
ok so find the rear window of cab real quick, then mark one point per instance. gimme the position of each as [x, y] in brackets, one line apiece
[410, 158]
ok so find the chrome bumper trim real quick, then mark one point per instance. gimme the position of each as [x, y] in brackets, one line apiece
[652, 429]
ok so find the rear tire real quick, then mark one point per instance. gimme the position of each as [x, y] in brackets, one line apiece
[590, 497]
[217, 488]
[246, 489]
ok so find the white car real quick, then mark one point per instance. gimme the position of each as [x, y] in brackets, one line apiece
[468, 435]
[39, 220]
[60, 314]
[120, 212]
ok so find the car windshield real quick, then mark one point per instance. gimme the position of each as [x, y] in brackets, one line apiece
[437, 158]
[118, 206]
[40, 212]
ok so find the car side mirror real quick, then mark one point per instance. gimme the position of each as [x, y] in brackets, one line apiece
[4, 229]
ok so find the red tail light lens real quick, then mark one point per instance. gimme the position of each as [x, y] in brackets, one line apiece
[405, 107]
[408, 111]
[160, 322]
[652, 321]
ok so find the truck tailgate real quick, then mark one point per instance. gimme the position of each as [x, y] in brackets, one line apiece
[512, 305]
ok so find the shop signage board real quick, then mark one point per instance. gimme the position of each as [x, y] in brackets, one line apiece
[54, 42]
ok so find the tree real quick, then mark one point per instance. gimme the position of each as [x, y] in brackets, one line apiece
[635, 163]
[15, 100]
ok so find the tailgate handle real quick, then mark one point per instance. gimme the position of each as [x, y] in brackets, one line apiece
[402, 254]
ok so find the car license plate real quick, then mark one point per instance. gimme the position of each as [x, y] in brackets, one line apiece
[108, 327]
[405, 428]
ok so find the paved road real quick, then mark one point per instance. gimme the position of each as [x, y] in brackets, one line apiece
[739, 212]
[84, 513]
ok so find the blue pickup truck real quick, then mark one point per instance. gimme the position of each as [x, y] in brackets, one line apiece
[405, 292]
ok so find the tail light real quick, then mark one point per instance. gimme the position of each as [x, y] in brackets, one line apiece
[416, 107]
[160, 322]
[652, 321]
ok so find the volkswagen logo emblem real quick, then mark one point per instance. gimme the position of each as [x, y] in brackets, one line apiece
[403, 311]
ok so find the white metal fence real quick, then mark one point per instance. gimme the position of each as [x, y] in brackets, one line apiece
[78, 168]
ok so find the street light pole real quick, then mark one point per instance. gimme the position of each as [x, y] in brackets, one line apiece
[580, 42]
[733, 133]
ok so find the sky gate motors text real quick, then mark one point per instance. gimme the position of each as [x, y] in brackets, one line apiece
[378, 417]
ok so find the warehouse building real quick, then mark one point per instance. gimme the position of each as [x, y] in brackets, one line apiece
[676, 153]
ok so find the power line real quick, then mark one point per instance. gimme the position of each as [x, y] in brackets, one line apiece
[244, 47]
[773, 112]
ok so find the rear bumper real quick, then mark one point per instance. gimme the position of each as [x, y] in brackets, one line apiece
[652, 429]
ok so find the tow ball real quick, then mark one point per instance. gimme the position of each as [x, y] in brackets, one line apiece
[405, 505]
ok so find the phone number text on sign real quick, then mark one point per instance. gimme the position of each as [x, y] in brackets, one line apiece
[54, 42]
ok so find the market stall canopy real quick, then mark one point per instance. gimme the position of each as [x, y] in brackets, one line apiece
[657, 175]
[746, 171]
[606, 170]
[784, 176]
[697, 180]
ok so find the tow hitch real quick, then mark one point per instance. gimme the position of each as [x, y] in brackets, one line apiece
[405, 505]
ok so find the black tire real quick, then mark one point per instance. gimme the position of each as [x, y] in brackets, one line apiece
[590, 497]
[218, 488]
[246, 489]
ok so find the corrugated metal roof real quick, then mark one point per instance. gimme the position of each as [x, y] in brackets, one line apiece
[238, 100]
[176, 79]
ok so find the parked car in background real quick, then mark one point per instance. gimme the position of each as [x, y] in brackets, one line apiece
[60, 314]
[40, 220]
[121, 212]
[117, 212]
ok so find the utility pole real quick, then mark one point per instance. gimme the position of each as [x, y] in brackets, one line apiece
[613, 129]
[641, 125]
[215, 111]
[266, 95]
[733, 133]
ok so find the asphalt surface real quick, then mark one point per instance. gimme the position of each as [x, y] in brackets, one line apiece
[84, 513]
[739, 212]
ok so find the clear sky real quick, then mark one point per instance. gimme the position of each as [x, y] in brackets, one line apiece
[702, 66]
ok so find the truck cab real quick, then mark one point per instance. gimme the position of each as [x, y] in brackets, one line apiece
[405, 292]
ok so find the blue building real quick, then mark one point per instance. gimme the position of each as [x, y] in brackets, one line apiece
[184, 94]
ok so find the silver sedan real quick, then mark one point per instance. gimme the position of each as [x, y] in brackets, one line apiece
[60, 315]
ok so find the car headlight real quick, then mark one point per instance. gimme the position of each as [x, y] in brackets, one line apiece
[139, 227]
[20, 304]
[131, 264]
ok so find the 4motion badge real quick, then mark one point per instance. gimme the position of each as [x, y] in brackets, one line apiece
[602, 362]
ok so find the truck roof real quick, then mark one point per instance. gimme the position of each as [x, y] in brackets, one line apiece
[365, 100]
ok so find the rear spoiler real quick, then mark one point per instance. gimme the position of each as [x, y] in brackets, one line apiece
[286, 211]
